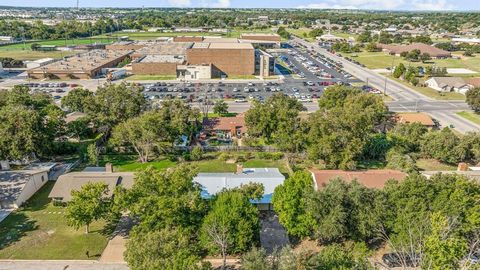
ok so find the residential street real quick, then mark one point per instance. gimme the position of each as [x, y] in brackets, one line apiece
[59, 265]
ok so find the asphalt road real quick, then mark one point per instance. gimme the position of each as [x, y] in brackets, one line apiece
[405, 98]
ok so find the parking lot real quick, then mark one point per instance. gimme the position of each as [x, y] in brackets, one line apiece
[307, 76]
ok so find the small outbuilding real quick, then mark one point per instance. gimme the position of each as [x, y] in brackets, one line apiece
[16, 187]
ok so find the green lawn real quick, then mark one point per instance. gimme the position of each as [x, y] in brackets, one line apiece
[57, 42]
[125, 163]
[471, 116]
[139, 77]
[429, 92]
[24, 52]
[434, 165]
[129, 163]
[234, 33]
[300, 33]
[241, 77]
[30, 55]
[39, 231]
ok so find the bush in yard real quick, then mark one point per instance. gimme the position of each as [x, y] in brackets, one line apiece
[224, 156]
[473, 99]
[196, 153]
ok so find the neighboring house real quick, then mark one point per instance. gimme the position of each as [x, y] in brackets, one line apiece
[225, 127]
[66, 183]
[474, 174]
[369, 178]
[212, 183]
[16, 187]
[448, 84]
[423, 48]
[474, 82]
[411, 117]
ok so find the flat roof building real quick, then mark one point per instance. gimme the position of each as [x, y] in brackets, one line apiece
[83, 66]
[226, 58]
[261, 36]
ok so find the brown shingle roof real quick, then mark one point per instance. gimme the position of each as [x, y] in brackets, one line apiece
[423, 48]
[225, 123]
[421, 118]
[75, 180]
[475, 82]
[369, 178]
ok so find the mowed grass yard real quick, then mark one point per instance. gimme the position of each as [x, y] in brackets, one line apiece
[129, 163]
[20, 52]
[471, 116]
[39, 231]
[429, 92]
[234, 33]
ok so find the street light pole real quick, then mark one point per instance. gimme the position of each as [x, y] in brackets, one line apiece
[385, 91]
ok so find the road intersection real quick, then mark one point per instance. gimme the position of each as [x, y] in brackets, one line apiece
[405, 99]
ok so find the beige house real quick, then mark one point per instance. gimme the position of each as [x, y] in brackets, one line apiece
[448, 84]
[62, 191]
[16, 187]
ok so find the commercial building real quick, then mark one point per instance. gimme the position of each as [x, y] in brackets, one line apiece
[225, 58]
[261, 37]
[157, 64]
[270, 178]
[83, 66]
[423, 48]
[16, 187]
[38, 63]
[187, 39]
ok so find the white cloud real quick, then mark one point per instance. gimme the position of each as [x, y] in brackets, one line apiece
[215, 3]
[180, 3]
[382, 4]
[326, 6]
[432, 5]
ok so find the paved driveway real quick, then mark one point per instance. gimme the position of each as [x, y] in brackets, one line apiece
[272, 234]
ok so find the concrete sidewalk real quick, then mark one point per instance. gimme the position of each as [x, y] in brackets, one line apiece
[59, 265]
[113, 252]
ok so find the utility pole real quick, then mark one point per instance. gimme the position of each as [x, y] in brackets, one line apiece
[385, 91]
[23, 37]
[367, 81]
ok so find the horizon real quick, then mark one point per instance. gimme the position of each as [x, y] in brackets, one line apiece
[360, 5]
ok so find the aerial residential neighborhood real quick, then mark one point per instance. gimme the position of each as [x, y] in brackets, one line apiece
[248, 135]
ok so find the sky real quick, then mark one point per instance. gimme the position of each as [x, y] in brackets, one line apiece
[416, 5]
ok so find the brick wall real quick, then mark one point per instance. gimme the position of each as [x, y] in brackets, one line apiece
[228, 61]
[154, 68]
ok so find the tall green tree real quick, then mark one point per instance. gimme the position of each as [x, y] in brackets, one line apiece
[87, 205]
[168, 248]
[160, 199]
[78, 100]
[231, 226]
[473, 99]
[276, 121]
[290, 203]
[220, 107]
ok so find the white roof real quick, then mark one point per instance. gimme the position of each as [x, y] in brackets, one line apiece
[213, 183]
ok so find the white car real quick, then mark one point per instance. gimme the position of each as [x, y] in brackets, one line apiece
[235, 89]
[240, 100]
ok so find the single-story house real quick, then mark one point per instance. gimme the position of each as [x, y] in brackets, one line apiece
[474, 82]
[397, 50]
[472, 174]
[66, 183]
[413, 117]
[16, 187]
[225, 127]
[270, 178]
[369, 178]
[448, 84]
